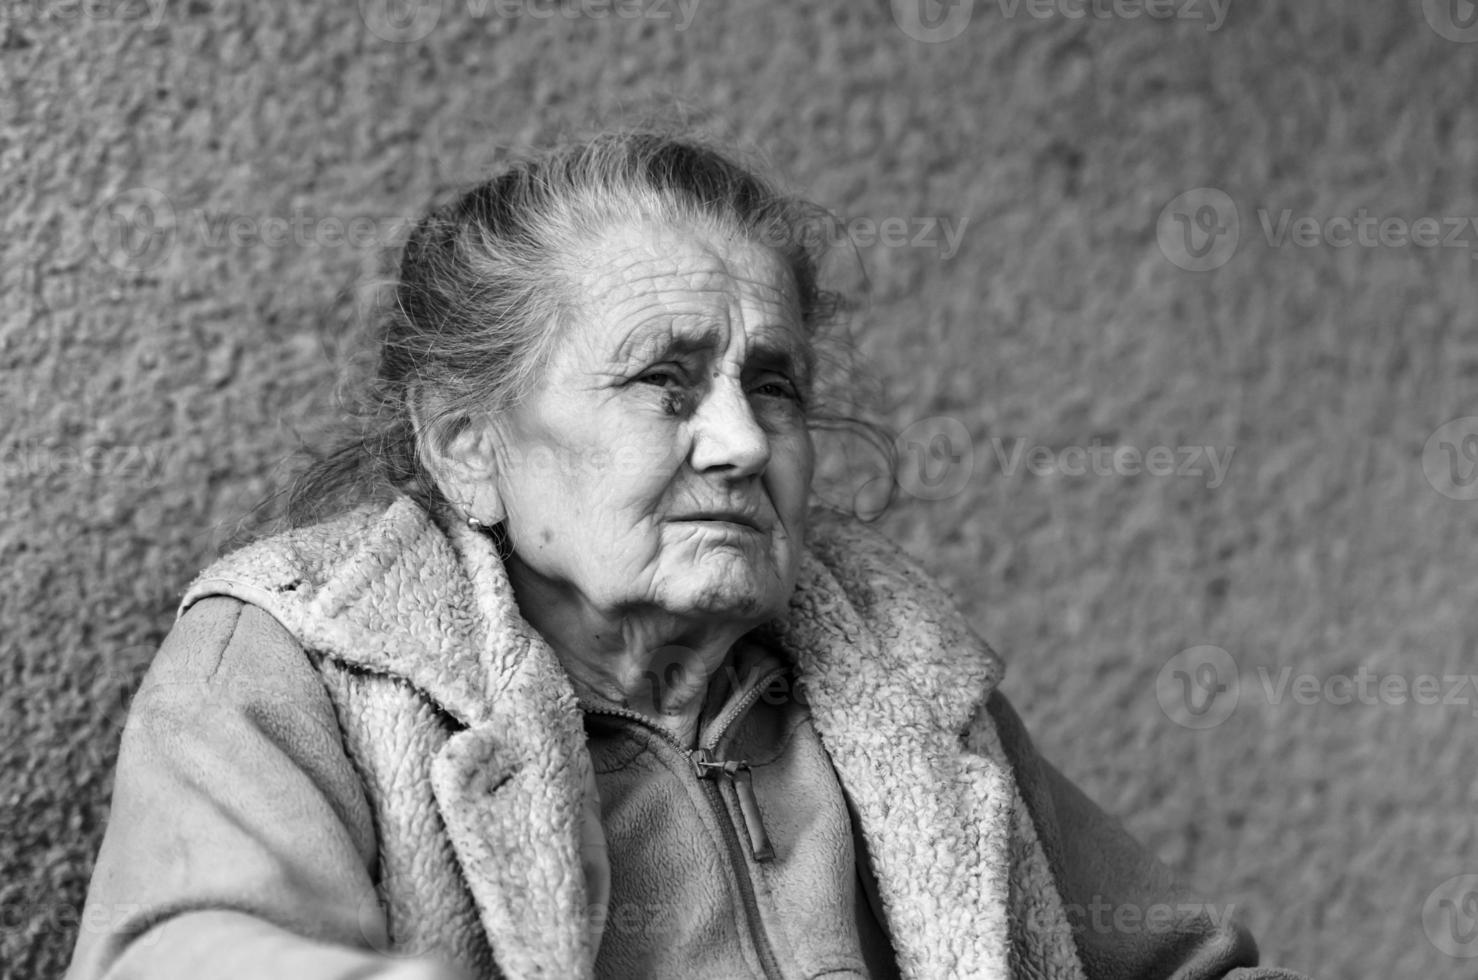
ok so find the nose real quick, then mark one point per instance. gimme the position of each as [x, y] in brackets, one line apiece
[727, 438]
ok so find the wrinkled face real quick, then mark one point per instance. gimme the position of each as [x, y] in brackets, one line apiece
[664, 460]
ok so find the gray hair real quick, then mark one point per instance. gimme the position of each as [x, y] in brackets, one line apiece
[486, 280]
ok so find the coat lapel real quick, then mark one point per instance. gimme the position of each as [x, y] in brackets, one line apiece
[511, 809]
[436, 610]
[892, 674]
[510, 789]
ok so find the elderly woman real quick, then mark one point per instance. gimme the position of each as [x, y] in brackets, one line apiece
[587, 687]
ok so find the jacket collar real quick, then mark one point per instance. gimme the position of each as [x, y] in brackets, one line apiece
[892, 673]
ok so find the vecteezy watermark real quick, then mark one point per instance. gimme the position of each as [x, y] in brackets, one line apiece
[1367, 687]
[1201, 687]
[380, 916]
[1456, 20]
[1201, 229]
[936, 21]
[1450, 916]
[407, 21]
[646, 920]
[1450, 459]
[1104, 917]
[138, 228]
[36, 915]
[1366, 230]
[134, 229]
[1101, 459]
[149, 12]
[936, 458]
[677, 668]
[1198, 687]
[1212, 12]
[941, 234]
[122, 462]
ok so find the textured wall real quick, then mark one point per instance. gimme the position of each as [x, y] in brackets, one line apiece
[153, 377]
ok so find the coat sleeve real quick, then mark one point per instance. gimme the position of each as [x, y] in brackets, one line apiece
[240, 842]
[1131, 918]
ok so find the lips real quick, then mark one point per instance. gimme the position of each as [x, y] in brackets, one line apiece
[742, 518]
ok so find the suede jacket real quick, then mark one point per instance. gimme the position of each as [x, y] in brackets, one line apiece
[353, 749]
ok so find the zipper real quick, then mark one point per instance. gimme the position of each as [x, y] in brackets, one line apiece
[738, 775]
[710, 770]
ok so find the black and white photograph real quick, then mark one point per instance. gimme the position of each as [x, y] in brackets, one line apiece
[739, 490]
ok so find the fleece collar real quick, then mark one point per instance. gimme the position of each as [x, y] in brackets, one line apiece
[394, 593]
[892, 672]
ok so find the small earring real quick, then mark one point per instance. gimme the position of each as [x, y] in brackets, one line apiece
[475, 524]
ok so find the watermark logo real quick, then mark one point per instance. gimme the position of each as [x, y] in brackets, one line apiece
[122, 677]
[1366, 230]
[1199, 230]
[1450, 916]
[940, 234]
[1450, 459]
[1105, 917]
[134, 230]
[1369, 688]
[408, 21]
[936, 458]
[138, 228]
[1101, 459]
[1199, 687]
[1213, 12]
[400, 21]
[131, 462]
[149, 12]
[937, 21]
[28, 914]
[932, 21]
[376, 914]
[1455, 20]
[644, 920]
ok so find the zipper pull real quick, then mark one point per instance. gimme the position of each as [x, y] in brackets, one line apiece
[739, 775]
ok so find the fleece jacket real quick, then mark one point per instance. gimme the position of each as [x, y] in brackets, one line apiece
[733, 856]
[352, 749]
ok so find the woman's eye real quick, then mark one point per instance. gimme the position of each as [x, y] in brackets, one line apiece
[661, 378]
[777, 388]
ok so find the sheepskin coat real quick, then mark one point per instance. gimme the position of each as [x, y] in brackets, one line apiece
[354, 746]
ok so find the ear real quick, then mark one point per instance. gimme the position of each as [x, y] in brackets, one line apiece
[460, 453]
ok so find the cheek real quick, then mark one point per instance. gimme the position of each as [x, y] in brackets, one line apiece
[792, 464]
[606, 494]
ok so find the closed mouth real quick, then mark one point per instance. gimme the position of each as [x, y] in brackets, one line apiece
[741, 520]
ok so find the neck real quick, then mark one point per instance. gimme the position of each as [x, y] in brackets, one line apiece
[642, 659]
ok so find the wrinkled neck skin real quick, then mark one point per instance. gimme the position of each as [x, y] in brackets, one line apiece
[644, 659]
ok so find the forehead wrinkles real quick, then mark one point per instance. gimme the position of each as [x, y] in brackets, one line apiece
[687, 286]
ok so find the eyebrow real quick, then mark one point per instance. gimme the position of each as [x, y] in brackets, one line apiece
[785, 354]
[776, 348]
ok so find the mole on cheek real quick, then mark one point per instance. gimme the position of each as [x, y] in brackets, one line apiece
[546, 535]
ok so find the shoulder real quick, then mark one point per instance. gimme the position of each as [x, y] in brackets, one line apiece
[297, 559]
[867, 617]
[876, 576]
[224, 652]
[370, 570]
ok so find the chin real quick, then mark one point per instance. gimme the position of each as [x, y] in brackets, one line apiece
[753, 597]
